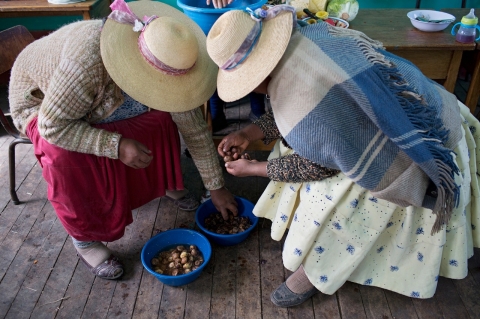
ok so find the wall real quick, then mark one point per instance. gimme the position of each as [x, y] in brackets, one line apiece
[430, 4]
[53, 23]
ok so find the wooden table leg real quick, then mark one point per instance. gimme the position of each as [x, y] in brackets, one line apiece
[474, 89]
[452, 75]
[206, 114]
[86, 15]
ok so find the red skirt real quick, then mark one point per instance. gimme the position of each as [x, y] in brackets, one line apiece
[94, 196]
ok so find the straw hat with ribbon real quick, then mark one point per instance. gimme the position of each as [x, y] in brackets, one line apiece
[247, 46]
[157, 55]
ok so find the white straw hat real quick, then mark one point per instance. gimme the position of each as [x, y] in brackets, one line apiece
[178, 76]
[227, 37]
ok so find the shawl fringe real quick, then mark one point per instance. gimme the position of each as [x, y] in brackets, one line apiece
[423, 118]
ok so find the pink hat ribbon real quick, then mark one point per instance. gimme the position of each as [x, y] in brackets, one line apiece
[121, 13]
[259, 15]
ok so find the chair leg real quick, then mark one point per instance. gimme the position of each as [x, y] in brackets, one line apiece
[11, 167]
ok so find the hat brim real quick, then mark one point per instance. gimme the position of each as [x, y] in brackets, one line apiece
[234, 84]
[134, 75]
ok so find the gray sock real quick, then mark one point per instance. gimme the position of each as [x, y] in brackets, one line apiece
[298, 282]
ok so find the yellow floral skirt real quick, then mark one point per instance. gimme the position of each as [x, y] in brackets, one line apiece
[339, 231]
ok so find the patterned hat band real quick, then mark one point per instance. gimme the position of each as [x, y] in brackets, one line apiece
[121, 13]
[259, 15]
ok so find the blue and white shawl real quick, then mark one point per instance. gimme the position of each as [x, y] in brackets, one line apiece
[341, 101]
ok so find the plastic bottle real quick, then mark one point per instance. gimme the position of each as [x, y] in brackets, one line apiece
[467, 31]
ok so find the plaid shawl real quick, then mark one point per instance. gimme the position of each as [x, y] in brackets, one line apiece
[341, 101]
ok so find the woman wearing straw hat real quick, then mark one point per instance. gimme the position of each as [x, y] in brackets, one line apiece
[374, 172]
[103, 104]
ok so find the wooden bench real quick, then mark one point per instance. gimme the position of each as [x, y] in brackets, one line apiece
[35, 8]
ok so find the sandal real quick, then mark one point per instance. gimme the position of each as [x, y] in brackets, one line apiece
[109, 269]
[187, 202]
[284, 297]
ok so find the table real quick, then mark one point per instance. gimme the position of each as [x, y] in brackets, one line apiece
[436, 54]
[473, 93]
[28, 8]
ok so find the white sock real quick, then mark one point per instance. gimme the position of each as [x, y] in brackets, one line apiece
[95, 254]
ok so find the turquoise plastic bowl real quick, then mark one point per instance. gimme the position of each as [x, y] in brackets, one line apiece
[205, 16]
[245, 208]
[171, 238]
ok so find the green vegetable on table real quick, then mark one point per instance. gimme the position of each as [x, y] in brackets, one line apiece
[343, 9]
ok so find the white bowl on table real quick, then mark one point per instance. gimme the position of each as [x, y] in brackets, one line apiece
[430, 15]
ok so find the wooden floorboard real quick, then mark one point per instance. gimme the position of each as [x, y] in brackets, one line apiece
[41, 276]
[449, 299]
[469, 293]
[326, 306]
[50, 300]
[350, 301]
[374, 302]
[427, 308]
[401, 307]
[248, 284]
[270, 277]
[222, 304]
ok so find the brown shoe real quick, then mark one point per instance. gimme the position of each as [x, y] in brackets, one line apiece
[109, 269]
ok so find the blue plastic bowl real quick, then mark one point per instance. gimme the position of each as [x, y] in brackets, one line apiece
[205, 16]
[171, 238]
[245, 208]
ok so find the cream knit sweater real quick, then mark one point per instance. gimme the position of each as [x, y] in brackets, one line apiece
[61, 79]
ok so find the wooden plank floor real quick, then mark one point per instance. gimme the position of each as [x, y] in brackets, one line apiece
[41, 276]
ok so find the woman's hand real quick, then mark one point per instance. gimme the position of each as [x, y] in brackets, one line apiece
[224, 202]
[218, 4]
[133, 153]
[244, 168]
[233, 144]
